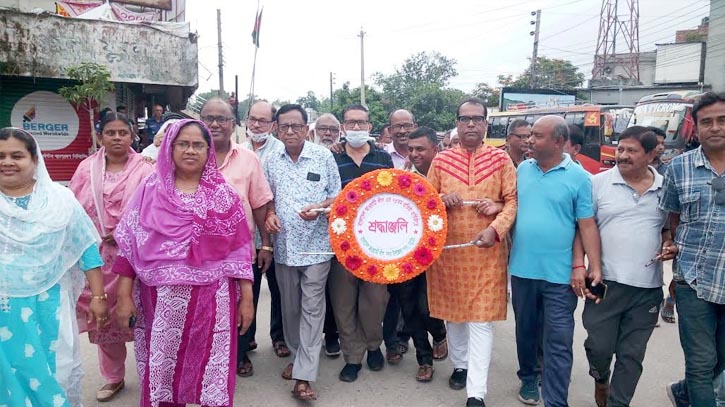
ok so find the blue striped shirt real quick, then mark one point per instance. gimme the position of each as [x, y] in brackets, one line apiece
[376, 159]
[700, 235]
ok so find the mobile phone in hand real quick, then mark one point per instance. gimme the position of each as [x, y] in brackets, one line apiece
[131, 321]
[600, 290]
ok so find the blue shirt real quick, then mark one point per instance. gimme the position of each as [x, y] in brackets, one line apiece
[550, 203]
[700, 235]
[312, 179]
[152, 127]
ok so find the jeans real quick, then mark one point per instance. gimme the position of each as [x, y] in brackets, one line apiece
[393, 323]
[702, 336]
[557, 303]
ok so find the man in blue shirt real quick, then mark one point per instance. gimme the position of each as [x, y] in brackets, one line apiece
[153, 123]
[694, 195]
[555, 197]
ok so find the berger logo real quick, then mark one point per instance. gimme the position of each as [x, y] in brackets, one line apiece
[48, 117]
[29, 114]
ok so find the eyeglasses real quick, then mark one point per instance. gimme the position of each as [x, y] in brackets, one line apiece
[198, 146]
[521, 136]
[474, 119]
[322, 130]
[209, 120]
[718, 185]
[352, 123]
[262, 122]
[295, 127]
[406, 126]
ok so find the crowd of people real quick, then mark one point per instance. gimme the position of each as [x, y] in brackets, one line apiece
[169, 249]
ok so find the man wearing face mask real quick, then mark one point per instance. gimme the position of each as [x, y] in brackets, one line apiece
[359, 306]
[327, 130]
[401, 122]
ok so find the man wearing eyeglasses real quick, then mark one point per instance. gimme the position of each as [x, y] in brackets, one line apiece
[327, 130]
[243, 170]
[694, 195]
[402, 123]
[467, 286]
[516, 141]
[359, 305]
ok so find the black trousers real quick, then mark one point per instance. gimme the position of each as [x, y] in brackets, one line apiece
[330, 327]
[276, 332]
[412, 296]
[620, 325]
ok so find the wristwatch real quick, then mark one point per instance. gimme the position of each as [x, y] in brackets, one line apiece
[267, 248]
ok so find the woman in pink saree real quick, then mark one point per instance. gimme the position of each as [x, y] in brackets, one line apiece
[103, 184]
[183, 239]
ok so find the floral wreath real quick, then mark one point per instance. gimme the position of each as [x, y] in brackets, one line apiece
[408, 185]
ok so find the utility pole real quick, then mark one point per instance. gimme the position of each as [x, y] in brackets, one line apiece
[219, 45]
[535, 33]
[332, 100]
[362, 66]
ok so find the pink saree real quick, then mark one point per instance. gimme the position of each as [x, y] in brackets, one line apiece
[186, 253]
[103, 196]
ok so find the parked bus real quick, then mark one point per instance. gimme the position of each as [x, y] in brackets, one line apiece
[600, 125]
[671, 112]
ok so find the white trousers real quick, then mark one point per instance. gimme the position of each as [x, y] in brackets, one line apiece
[470, 345]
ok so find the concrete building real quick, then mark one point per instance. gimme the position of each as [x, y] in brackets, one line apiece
[715, 55]
[149, 63]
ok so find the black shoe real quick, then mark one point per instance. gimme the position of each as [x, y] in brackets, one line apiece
[332, 348]
[475, 402]
[458, 378]
[376, 361]
[349, 372]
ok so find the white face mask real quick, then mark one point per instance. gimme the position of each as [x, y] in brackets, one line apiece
[257, 138]
[357, 138]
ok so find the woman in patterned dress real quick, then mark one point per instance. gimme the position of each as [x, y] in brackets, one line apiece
[183, 238]
[103, 184]
[46, 239]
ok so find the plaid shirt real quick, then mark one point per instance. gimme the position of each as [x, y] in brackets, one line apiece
[700, 235]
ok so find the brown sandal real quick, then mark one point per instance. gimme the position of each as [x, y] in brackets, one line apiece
[440, 349]
[425, 373]
[287, 372]
[303, 391]
[393, 357]
[245, 368]
[281, 349]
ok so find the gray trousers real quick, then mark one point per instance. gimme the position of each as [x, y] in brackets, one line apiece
[620, 325]
[359, 310]
[302, 290]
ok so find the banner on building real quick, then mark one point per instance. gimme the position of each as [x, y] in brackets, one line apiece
[124, 14]
[75, 8]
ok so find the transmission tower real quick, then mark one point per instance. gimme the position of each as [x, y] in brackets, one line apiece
[612, 26]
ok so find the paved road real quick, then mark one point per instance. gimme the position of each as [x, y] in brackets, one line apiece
[396, 385]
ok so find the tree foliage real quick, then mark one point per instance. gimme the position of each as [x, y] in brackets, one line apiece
[489, 95]
[550, 73]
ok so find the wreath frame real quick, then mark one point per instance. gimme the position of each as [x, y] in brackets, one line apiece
[392, 181]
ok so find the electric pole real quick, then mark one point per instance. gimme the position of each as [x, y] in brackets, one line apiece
[535, 33]
[332, 101]
[219, 45]
[362, 66]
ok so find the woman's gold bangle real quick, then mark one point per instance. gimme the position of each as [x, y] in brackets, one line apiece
[103, 297]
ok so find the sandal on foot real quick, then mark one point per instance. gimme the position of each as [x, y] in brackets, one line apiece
[668, 310]
[109, 391]
[393, 357]
[245, 368]
[303, 391]
[287, 372]
[440, 349]
[252, 345]
[425, 373]
[281, 349]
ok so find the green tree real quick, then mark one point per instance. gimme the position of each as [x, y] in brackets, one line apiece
[421, 86]
[346, 96]
[550, 73]
[94, 85]
[309, 101]
[487, 93]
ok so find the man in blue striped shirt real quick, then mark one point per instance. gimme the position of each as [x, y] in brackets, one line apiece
[694, 195]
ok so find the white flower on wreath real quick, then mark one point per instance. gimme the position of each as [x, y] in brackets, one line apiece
[339, 226]
[435, 223]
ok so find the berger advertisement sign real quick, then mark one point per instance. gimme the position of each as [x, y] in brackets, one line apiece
[48, 117]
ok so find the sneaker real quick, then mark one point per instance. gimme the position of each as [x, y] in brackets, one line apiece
[529, 392]
[457, 381]
[332, 348]
[376, 361]
[475, 402]
[677, 394]
[349, 372]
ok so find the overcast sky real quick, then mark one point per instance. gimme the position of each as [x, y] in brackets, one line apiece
[301, 42]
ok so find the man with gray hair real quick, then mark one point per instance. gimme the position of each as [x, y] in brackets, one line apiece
[402, 123]
[327, 130]
[554, 197]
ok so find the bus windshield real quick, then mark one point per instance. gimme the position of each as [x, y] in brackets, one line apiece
[666, 116]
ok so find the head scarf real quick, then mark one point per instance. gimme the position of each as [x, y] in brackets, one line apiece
[169, 241]
[40, 243]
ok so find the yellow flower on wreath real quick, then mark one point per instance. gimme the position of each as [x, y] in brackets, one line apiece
[391, 272]
[385, 178]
